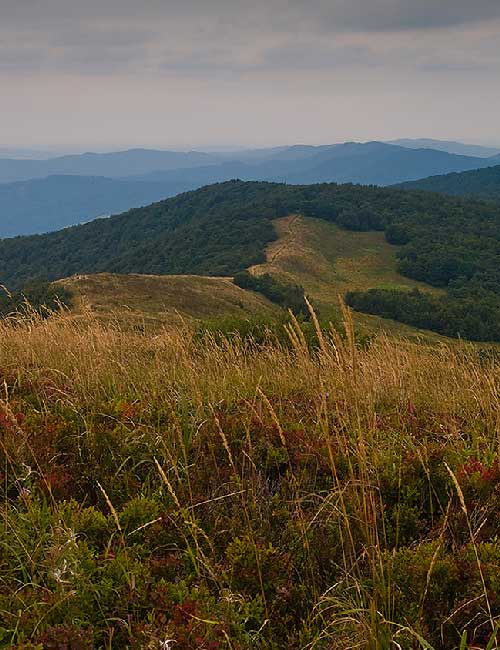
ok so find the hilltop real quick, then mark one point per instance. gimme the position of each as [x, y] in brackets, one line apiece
[161, 300]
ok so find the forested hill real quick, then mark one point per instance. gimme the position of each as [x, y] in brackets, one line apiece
[223, 229]
[483, 183]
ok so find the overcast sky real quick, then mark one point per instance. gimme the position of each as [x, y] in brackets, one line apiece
[100, 74]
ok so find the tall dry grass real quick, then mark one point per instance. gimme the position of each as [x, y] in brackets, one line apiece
[347, 428]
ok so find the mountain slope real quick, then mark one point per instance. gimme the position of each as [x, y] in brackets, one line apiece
[161, 300]
[375, 163]
[328, 261]
[41, 205]
[481, 183]
[221, 229]
[446, 242]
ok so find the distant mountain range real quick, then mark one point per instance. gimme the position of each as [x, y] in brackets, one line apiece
[111, 165]
[451, 147]
[38, 196]
[350, 161]
[481, 183]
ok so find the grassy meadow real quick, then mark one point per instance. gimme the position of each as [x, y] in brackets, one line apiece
[181, 491]
[155, 301]
[328, 261]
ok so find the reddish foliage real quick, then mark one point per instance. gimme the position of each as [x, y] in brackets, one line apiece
[475, 468]
[10, 424]
[66, 637]
[60, 483]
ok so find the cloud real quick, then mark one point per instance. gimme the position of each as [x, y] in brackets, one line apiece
[353, 14]
[272, 57]
[223, 37]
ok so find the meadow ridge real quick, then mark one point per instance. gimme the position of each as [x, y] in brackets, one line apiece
[212, 492]
[327, 261]
[159, 301]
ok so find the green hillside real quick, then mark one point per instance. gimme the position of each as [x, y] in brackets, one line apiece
[222, 229]
[482, 183]
[329, 261]
[166, 300]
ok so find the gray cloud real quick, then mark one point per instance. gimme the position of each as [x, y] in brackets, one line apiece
[358, 15]
[221, 36]
[236, 54]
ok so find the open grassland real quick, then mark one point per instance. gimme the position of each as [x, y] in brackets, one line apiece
[178, 492]
[329, 261]
[162, 300]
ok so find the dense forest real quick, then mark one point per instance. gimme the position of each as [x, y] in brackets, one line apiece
[223, 229]
[482, 183]
[459, 313]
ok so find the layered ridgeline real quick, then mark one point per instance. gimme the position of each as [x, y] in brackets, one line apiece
[51, 194]
[223, 229]
[483, 183]
[112, 165]
[370, 162]
[459, 148]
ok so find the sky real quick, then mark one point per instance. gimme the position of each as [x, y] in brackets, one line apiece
[104, 74]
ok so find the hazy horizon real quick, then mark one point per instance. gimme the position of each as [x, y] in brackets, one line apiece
[47, 152]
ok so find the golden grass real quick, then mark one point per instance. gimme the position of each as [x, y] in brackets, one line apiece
[86, 353]
[327, 260]
[162, 300]
[375, 408]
